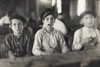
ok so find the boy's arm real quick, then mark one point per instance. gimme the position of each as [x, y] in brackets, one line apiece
[37, 46]
[62, 43]
[29, 46]
[78, 42]
[77, 45]
[98, 39]
[5, 47]
[11, 55]
[36, 50]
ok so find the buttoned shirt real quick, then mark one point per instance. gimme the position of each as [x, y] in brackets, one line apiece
[19, 46]
[49, 42]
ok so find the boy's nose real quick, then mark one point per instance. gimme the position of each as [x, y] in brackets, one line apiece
[17, 26]
[49, 21]
[88, 19]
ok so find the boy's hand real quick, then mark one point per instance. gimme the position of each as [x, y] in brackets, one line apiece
[46, 53]
[86, 40]
[95, 40]
[11, 55]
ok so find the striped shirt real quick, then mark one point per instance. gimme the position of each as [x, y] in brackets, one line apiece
[19, 46]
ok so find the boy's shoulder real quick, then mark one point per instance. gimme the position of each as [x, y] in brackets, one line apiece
[97, 30]
[58, 32]
[26, 36]
[9, 36]
[40, 32]
[78, 30]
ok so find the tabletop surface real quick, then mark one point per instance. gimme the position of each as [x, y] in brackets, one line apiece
[70, 59]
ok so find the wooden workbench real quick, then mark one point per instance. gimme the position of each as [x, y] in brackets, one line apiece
[70, 59]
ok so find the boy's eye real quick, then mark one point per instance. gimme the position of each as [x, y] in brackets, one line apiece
[86, 18]
[91, 16]
[19, 24]
[14, 24]
[51, 19]
[47, 19]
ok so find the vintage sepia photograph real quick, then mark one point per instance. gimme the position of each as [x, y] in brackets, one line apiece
[49, 33]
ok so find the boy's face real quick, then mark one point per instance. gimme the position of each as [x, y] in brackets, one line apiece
[88, 20]
[17, 26]
[49, 21]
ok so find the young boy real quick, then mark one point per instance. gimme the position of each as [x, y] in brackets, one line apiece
[87, 37]
[16, 44]
[48, 40]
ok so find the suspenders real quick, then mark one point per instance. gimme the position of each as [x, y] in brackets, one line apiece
[87, 46]
[81, 37]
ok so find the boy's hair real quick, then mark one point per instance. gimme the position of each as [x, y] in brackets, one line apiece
[19, 17]
[87, 12]
[46, 12]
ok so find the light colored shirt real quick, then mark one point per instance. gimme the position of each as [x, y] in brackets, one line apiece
[83, 33]
[49, 42]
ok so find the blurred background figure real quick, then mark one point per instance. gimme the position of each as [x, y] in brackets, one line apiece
[4, 20]
[32, 23]
[4, 24]
[59, 25]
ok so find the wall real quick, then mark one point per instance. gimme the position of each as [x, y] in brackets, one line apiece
[98, 13]
[73, 8]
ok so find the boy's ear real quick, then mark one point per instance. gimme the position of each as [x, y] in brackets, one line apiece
[54, 20]
[25, 25]
[43, 21]
[81, 21]
[10, 26]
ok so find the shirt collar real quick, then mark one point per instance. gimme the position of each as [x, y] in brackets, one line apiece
[17, 37]
[86, 28]
[44, 30]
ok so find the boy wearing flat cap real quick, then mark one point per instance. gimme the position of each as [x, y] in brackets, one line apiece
[86, 38]
[16, 44]
[48, 40]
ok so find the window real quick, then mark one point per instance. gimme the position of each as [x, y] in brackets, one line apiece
[81, 6]
[59, 6]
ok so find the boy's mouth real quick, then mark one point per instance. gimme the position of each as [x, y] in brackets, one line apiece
[17, 30]
[49, 24]
[90, 23]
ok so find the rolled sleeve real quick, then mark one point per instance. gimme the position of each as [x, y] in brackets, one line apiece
[76, 41]
[63, 43]
[98, 39]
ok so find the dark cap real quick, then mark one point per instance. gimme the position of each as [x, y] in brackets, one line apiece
[46, 12]
[87, 12]
[19, 17]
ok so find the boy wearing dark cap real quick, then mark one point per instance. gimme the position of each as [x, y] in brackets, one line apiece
[48, 40]
[86, 38]
[16, 44]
